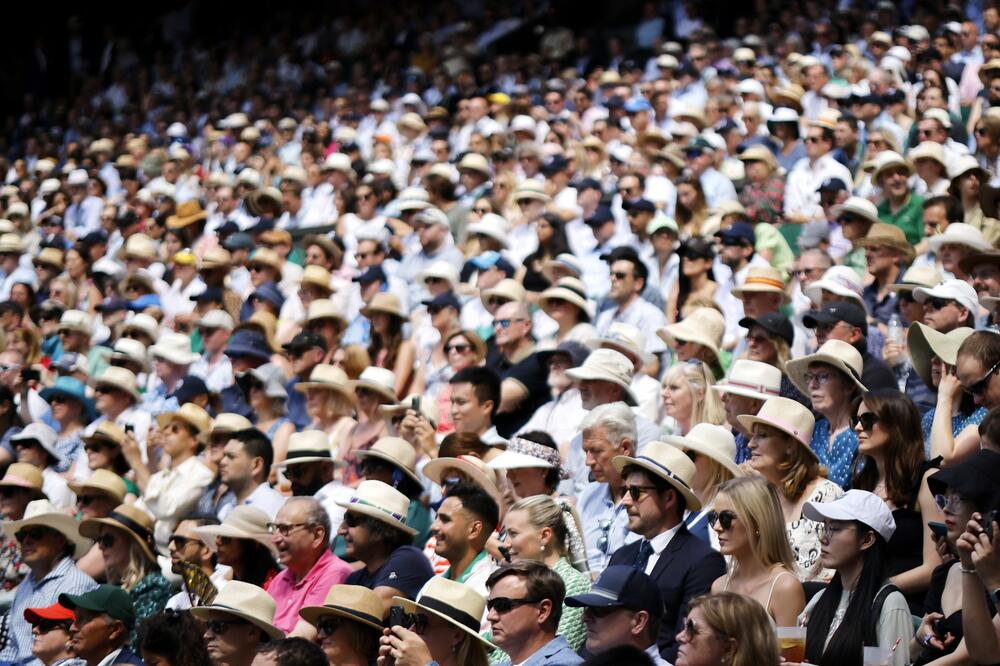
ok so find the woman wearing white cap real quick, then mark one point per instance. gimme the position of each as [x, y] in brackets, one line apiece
[855, 531]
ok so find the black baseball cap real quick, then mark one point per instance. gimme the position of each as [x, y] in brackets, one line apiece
[640, 206]
[210, 295]
[601, 216]
[774, 323]
[621, 586]
[371, 274]
[447, 299]
[835, 311]
[832, 185]
[305, 340]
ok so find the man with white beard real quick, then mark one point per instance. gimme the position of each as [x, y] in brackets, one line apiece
[560, 416]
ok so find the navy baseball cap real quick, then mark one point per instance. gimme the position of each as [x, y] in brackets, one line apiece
[833, 185]
[640, 206]
[447, 299]
[239, 241]
[601, 216]
[191, 387]
[112, 304]
[836, 311]
[371, 274]
[741, 231]
[555, 164]
[211, 294]
[305, 340]
[621, 586]
[774, 323]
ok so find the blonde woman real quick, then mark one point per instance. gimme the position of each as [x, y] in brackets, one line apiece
[687, 399]
[330, 404]
[727, 628]
[748, 523]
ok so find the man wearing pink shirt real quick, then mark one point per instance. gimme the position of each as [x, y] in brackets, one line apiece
[301, 534]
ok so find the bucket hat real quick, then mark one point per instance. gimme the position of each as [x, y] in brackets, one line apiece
[889, 159]
[41, 433]
[248, 343]
[859, 207]
[607, 365]
[959, 233]
[881, 234]
[269, 375]
[567, 289]
[843, 281]
[71, 387]
[76, 321]
[132, 351]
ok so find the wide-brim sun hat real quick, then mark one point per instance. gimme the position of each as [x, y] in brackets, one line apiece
[174, 347]
[245, 601]
[508, 289]
[380, 501]
[352, 602]
[751, 379]
[920, 276]
[23, 475]
[475, 469]
[102, 481]
[889, 159]
[714, 441]
[308, 447]
[570, 290]
[192, 415]
[329, 378]
[668, 463]
[386, 303]
[703, 326]
[395, 451]
[841, 355]
[121, 379]
[607, 365]
[131, 520]
[42, 512]
[243, 522]
[456, 603]
[924, 343]
[789, 416]
[379, 380]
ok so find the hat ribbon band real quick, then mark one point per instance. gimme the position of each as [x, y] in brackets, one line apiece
[535, 450]
[401, 518]
[134, 526]
[670, 473]
[460, 616]
[760, 388]
[308, 453]
[356, 613]
[766, 281]
[781, 423]
[607, 594]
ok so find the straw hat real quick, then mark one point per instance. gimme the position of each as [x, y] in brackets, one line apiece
[607, 365]
[142, 323]
[889, 159]
[789, 416]
[881, 234]
[492, 226]
[443, 270]
[382, 502]
[140, 246]
[454, 602]
[243, 522]
[106, 432]
[472, 467]
[759, 153]
[102, 481]
[567, 289]
[715, 441]
[331, 378]
[959, 233]
[920, 276]
[42, 512]
[624, 338]
[132, 350]
[927, 150]
[187, 214]
[10, 243]
[667, 462]
[245, 601]
[789, 95]
[512, 290]
[308, 446]
[474, 162]
[216, 257]
[395, 451]
[751, 379]
[324, 308]
[228, 422]
[318, 277]
[763, 280]
[860, 207]
[841, 355]
[192, 415]
[353, 602]
[130, 519]
[174, 347]
[121, 379]
[387, 303]
[49, 256]
[704, 326]
[23, 475]
[924, 343]
[843, 281]
[76, 321]
[265, 256]
[379, 380]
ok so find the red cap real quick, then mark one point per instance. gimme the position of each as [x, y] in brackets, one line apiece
[53, 612]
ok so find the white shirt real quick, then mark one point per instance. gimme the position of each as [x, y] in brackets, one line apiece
[559, 417]
[57, 490]
[639, 313]
[805, 178]
[172, 493]
[263, 497]
[217, 376]
[660, 543]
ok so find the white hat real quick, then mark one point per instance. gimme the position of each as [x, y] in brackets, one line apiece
[383, 167]
[841, 355]
[234, 121]
[607, 365]
[337, 162]
[861, 207]
[963, 164]
[940, 115]
[130, 349]
[143, 323]
[959, 291]
[380, 501]
[491, 225]
[444, 270]
[751, 379]
[444, 170]
[77, 177]
[523, 124]
[433, 215]
[177, 130]
[49, 185]
[78, 321]
[217, 319]
[667, 61]
[379, 105]
[789, 416]
[174, 347]
[308, 446]
[525, 454]
[43, 434]
[751, 87]
[17, 208]
[624, 338]
[888, 159]
[121, 379]
[379, 380]
[859, 505]
[412, 198]
[246, 601]
[843, 281]
[474, 162]
[249, 177]
[715, 441]
[668, 463]
[959, 233]
[568, 261]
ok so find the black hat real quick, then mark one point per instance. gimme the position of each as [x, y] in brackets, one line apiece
[976, 478]
[210, 295]
[774, 323]
[832, 185]
[576, 351]
[601, 216]
[305, 340]
[836, 311]
[447, 299]
[371, 274]
[554, 165]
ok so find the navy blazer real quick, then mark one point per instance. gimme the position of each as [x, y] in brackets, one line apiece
[686, 568]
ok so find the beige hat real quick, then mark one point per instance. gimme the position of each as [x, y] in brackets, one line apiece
[704, 326]
[789, 95]
[42, 512]
[308, 446]
[104, 432]
[265, 256]
[454, 602]
[121, 379]
[881, 234]
[492, 226]
[216, 319]
[841, 355]
[443, 270]
[245, 601]
[715, 441]
[531, 189]
[667, 462]
[380, 380]
[924, 343]
[860, 207]
[192, 415]
[382, 502]
[789, 416]
[337, 162]
[23, 475]
[174, 347]
[143, 323]
[880, 37]
[607, 365]
[318, 277]
[295, 174]
[10, 243]
[387, 303]
[959, 233]
[474, 162]
[331, 378]
[141, 246]
[131, 350]
[889, 159]
[216, 257]
[569, 289]
[49, 256]
[243, 522]
[411, 120]
[324, 308]
[963, 164]
[751, 379]
[917, 276]
[229, 422]
[103, 481]
[927, 150]
[475, 469]
[395, 451]
[508, 289]
[77, 321]
[352, 602]
[763, 280]
[130, 519]
[759, 153]
[624, 338]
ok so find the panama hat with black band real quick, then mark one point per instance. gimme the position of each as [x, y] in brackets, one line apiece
[455, 603]
[131, 520]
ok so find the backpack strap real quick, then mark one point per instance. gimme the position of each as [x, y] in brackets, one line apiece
[879, 601]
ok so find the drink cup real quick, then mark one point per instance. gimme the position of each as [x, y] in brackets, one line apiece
[793, 643]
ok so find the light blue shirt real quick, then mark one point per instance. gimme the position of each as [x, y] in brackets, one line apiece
[717, 187]
[556, 652]
[603, 521]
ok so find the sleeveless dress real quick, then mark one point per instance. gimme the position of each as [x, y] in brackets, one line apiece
[770, 591]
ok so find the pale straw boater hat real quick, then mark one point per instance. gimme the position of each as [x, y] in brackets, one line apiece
[245, 601]
[395, 451]
[751, 379]
[42, 512]
[243, 522]
[331, 378]
[924, 343]
[668, 463]
[352, 602]
[703, 326]
[382, 502]
[763, 280]
[308, 446]
[837, 353]
[789, 416]
[104, 482]
[715, 441]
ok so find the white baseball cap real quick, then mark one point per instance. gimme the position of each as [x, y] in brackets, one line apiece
[859, 505]
[959, 291]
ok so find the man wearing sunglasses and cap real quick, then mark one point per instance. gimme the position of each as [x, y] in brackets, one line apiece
[104, 620]
[50, 627]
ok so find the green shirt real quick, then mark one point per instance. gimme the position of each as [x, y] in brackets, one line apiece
[909, 218]
[770, 239]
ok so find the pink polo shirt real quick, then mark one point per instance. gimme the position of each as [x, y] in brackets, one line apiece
[291, 595]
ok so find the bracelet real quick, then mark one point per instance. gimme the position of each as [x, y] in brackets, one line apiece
[926, 640]
[966, 571]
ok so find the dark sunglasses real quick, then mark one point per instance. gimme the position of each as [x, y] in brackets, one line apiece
[352, 519]
[219, 627]
[601, 611]
[867, 421]
[506, 604]
[106, 541]
[35, 533]
[96, 447]
[327, 625]
[458, 349]
[620, 275]
[979, 387]
[635, 492]
[724, 518]
[938, 303]
[45, 626]
[87, 500]
[180, 541]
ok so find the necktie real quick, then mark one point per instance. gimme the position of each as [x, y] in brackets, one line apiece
[642, 557]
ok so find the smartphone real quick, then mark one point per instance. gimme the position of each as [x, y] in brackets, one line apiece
[939, 629]
[398, 617]
[416, 404]
[987, 523]
[940, 530]
[129, 429]
[505, 552]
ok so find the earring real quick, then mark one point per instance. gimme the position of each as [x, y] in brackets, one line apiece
[543, 547]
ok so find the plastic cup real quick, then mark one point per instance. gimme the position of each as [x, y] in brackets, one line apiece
[877, 656]
[793, 643]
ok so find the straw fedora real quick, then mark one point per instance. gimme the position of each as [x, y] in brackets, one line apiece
[187, 214]
[789, 416]
[324, 308]
[751, 379]
[474, 162]
[843, 281]
[24, 475]
[959, 233]
[382, 502]
[245, 601]
[130, 350]
[352, 602]
[331, 378]
[216, 257]
[472, 467]
[567, 289]
[308, 446]
[10, 243]
[454, 602]
[387, 303]
[881, 234]
[841, 355]
[396, 451]
[379, 380]
[607, 365]
[921, 276]
[715, 441]
[140, 246]
[318, 277]
[106, 432]
[229, 422]
[704, 326]
[130, 519]
[508, 289]
[763, 280]
[759, 153]
[104, 482]
[42, 512]
[265, 256]
[192, 415]
[889, 159]
[174, 347]
[121, 379]
[243, 522]
[76, 321]
[667, 462]
[49, 256]
[927, 150]
[924, 343]
[624, 338]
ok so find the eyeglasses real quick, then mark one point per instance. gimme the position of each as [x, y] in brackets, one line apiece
[828, 531]
[458, 349]
[979, 387]
[35, 533]
[181, 541]
[949, 503]
[724, 518]
[106, 540]
[87, 500]
[867, 421]
[505, 323]
[636, 491]
[878, 143]
[813, 139]
[284, 529]
[506, 604]
[45, 626]
[938, 303]
[821, 378]
[219, 627]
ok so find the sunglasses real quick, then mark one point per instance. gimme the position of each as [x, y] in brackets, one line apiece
[979, 387]
[35, 533]
[635, 492]
[87, 500]
[106, 540]
[724, 518]
[45, 626]
[482, 211]
[505, 323]
[813, 139]
[328, 625]
[219, 627]
[620, 275]
[938, 303]
[867, 421]
[352, 519]
[458, 349]
[97, 447]
[180, 541]
[506, 604]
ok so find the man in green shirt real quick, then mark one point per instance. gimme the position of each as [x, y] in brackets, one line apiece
[901, 207]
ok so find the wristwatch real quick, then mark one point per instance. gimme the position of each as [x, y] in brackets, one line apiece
[995, 596]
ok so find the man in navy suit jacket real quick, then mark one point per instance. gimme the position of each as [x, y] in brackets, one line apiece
[657, 492]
